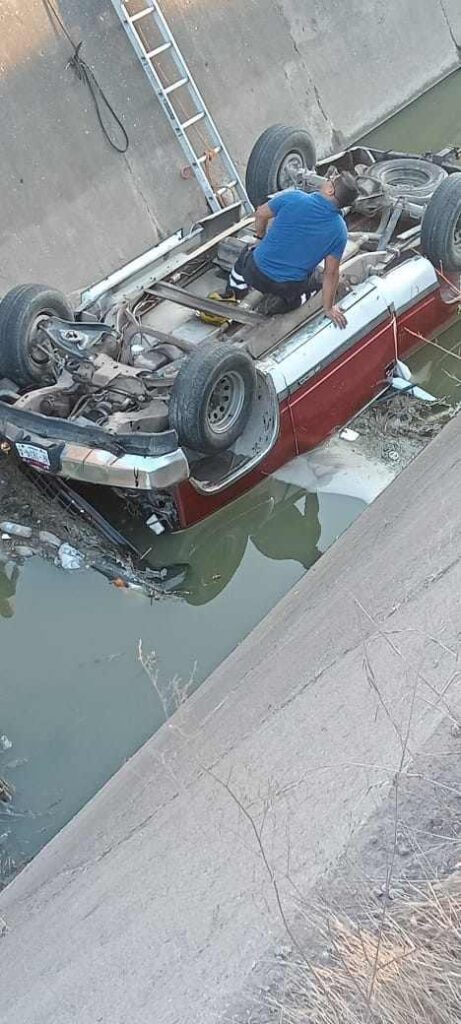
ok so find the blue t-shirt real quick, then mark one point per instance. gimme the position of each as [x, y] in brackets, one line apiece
[305, 229]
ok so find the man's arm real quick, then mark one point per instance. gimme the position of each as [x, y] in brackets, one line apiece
[330, 286]
[263, 216]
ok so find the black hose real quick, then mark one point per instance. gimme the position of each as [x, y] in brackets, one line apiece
[86, 75]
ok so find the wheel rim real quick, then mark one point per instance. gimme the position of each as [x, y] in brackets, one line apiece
[411, 179]
[289, 169]
[225, 403]
[38, 346]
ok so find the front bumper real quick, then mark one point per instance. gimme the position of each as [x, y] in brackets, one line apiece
[140, 462]
[130, 472]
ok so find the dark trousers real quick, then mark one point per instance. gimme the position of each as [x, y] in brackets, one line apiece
[245, 274]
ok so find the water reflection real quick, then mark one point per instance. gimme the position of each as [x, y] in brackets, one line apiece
[280, 520]
[9, 575]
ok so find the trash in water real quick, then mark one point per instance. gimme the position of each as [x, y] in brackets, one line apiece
[402, 370]
[15, 529]
[49, 538]
[70, 558]
[6, 791]
[400, 384]
[129, 578]
[349, 435]
[391, 453]
[5, 743]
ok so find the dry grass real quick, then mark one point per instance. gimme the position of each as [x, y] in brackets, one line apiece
[400, 969]
[172, 693]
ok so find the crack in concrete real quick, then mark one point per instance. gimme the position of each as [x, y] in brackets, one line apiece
[320, 106]
[454, 40]
[335, 135]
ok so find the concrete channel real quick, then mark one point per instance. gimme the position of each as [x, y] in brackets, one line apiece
[74, 208]
[155, 903]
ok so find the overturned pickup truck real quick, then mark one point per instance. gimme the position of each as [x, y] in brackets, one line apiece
[147, 386]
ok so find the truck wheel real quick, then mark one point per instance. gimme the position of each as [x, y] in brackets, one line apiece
[211, 398]
[441, 228]
[24, 355]
[275, 160]
[408, 178]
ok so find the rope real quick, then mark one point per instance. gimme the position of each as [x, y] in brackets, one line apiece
[450, 284]
[436, 344]
[396, 337]
[210, 155]
[86, 75]
[440, 273]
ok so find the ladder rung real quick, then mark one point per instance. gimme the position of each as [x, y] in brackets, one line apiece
[158, 49]
[204, 158]
[198, 153]
[141, 14]
[176, 85]
[193, 120]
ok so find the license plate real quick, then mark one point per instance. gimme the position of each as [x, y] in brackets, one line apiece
[34, 456]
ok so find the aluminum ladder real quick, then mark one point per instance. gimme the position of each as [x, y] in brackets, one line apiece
[149, 14]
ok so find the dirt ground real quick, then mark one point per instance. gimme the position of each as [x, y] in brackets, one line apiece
[414, 839]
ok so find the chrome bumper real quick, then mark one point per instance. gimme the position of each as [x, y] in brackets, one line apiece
[130, 472]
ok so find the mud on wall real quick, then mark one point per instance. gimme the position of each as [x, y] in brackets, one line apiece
[73, 209]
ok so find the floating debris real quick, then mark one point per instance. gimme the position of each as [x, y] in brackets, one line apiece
[16, 529]
[5, 743]
[147, 581]
[70, 558]
[6, 791]
[49, 538]
[78, 547]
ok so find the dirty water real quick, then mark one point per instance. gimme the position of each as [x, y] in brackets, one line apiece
[75, 702]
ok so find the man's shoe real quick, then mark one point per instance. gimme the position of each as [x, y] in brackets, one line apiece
[213, 318]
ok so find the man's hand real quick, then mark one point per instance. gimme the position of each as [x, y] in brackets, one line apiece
[263, 217]
[337, 316]
[330, 285]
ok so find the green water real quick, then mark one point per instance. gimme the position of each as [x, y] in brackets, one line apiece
[74, 700]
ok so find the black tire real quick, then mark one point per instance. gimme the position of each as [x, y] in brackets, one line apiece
[408, 177]
[211, 398]
[267, 169]
[20, 311]
[441, 228]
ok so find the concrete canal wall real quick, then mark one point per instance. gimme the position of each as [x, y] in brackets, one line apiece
[154, 903]
[73, 209]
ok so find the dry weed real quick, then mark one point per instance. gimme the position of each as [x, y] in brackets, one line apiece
[403, 969]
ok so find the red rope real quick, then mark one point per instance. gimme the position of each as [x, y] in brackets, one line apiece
[450, 284]
[396, 337]
[419, 336]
